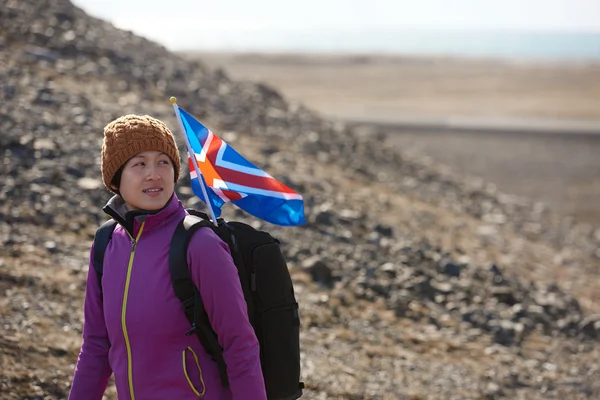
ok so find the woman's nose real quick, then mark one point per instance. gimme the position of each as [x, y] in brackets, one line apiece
[153, 174]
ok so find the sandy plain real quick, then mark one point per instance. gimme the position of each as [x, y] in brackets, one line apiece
[532, 128]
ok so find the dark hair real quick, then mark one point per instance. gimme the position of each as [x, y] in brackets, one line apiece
[116, 181]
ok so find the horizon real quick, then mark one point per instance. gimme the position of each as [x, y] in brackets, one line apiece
[381, 26]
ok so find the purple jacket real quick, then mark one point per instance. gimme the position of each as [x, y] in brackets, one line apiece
[136, 328]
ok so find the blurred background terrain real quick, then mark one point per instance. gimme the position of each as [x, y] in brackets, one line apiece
[530, 126]
[447, 152]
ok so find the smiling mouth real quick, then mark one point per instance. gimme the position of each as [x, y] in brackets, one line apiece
[152, 190]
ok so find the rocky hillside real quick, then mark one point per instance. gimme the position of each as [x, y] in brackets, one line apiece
[414, 283]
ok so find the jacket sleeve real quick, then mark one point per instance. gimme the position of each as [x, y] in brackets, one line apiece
[216, 276]
[92, 371]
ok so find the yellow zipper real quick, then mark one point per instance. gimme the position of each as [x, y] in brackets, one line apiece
[123, 312]
[199, 394]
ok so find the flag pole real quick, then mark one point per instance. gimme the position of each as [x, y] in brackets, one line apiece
[191, 155]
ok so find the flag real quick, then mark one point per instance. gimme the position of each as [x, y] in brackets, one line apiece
[229, 177]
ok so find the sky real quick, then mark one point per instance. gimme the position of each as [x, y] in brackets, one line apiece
[235, 24]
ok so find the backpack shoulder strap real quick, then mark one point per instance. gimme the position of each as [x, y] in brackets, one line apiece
[178, 265]
[101, 240]
[189, 295]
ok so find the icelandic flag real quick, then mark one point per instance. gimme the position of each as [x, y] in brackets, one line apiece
[229, 177]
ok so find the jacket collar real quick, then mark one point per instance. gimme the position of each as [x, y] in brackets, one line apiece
[131, 220]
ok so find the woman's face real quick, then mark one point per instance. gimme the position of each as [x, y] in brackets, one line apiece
[147, 181]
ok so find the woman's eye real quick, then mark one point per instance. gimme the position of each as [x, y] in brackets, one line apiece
[139, 164]
[163, 162]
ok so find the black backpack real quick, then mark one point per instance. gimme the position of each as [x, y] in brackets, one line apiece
[268, 291]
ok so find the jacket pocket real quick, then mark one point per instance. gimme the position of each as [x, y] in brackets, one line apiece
[192, 371]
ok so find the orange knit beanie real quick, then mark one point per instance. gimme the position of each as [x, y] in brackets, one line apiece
[132, 134]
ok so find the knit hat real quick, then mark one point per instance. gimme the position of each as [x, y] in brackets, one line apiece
[132, 134]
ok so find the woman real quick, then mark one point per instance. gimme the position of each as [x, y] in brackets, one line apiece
[135, 326]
